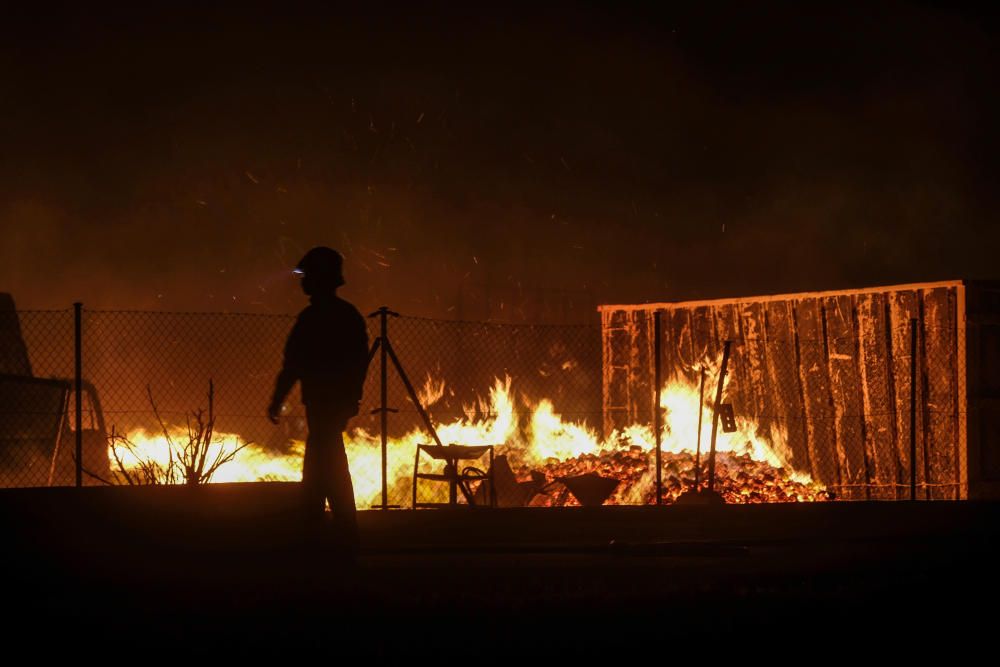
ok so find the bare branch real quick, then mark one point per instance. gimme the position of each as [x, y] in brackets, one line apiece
[114, 451]
[190, 463]
[209, 427]
[94, 475]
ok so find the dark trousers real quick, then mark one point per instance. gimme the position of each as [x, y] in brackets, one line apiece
[325, 474]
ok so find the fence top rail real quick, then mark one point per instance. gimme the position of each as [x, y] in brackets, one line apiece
[186, 313]
[41, 311]
[290, 316]
[484, 323]
[671, 305]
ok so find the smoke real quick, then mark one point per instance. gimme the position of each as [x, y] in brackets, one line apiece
[185, 162]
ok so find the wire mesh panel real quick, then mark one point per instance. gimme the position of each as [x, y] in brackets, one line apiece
[150, 380]
[187, 394]
[147, 363]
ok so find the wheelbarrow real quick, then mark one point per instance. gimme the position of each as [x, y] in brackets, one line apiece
[591, 490]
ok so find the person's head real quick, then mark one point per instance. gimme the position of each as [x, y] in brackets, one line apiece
[322, 271]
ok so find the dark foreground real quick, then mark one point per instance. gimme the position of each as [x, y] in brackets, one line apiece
[228, 570]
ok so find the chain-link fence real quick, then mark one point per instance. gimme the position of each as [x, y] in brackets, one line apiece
[816, 403]
[146, 372]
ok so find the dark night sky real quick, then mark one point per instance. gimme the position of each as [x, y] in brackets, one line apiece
[183, 160]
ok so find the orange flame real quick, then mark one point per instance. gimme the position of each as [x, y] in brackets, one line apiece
[542, 439]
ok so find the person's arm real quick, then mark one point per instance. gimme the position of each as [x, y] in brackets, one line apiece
[359, 360]
[290, 372]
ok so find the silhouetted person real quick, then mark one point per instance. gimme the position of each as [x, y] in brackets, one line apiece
[327, 351]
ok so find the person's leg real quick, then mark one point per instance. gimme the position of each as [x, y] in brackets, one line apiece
[314, 463]
[341, 489]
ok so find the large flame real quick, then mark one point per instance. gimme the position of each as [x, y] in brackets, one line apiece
[540, 439]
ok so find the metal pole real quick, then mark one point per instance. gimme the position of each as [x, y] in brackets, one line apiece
[384, 424]
[493, 488]
[78, 386]
[913, 409]
[412, 392]
[658, 418]
[416, 464]
[697, 449]
[715, 414]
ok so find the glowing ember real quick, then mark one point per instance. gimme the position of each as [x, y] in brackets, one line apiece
[739, 479]
[750, 468]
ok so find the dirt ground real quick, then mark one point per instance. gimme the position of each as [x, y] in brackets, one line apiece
[231, 573]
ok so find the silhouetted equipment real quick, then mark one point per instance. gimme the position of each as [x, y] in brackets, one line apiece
[13, 352]
[456, 477]
[383, 346]
[36, 432]
[723, 369]
[590, 489]
[508, 490]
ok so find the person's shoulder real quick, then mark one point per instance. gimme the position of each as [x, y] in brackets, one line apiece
[349, 309]
[306, 314]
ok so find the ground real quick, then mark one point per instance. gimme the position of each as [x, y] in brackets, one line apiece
[228, 571]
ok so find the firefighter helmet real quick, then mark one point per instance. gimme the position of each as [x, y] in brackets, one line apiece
[322, 263]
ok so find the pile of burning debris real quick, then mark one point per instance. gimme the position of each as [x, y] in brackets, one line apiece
[739, 478]
[542, 460]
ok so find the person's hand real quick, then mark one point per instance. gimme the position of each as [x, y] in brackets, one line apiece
[274, 412]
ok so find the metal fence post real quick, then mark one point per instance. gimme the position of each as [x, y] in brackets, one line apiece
[657, 417]
[913, 409]
[715, 414]
[384, 425]
[697, 447]
[78, 386]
